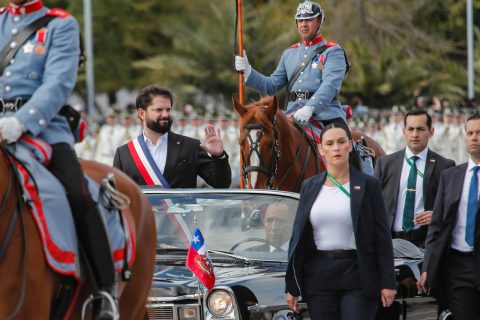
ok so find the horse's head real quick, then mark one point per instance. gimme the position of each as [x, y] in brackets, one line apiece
[259, 146]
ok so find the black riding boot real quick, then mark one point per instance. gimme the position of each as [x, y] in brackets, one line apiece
[96, 247]
[93, 242]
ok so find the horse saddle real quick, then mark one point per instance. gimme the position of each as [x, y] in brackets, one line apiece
[313, 130]
[53, 216]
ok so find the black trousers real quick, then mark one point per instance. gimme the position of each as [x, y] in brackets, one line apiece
[463, 285]
[332, 290]
[93, 241]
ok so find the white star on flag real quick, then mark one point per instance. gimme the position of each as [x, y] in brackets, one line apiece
[195, 239]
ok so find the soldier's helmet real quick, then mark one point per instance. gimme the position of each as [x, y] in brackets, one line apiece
[309, 10]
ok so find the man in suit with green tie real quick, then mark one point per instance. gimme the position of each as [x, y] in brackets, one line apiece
[409, 179]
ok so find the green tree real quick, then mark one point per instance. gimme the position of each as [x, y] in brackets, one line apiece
[395, 47]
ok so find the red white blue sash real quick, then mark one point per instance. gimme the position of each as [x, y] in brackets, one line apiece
[144, 161]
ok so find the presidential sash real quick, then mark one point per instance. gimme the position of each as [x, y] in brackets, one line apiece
[146, 165]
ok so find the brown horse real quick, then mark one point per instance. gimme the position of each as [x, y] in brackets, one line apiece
[28, 284]
[275, 153]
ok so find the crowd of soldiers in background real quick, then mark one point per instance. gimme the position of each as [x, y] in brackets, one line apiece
[385, 126]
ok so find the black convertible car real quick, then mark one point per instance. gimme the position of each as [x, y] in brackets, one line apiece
[248, 257]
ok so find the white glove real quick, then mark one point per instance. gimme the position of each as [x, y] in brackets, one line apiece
[304, 114]
[11, 129]
[242, 65]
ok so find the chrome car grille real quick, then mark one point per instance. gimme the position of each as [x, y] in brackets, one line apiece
[170, 311]
[160, 312]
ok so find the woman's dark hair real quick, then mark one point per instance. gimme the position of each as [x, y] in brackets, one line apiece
[353, 157]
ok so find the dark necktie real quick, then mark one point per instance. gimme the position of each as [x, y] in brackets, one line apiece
[472, 207]
[408, 210]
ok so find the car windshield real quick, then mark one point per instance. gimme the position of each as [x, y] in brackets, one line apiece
[251, 225]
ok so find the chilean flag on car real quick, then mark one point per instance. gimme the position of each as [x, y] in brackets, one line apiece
[198, 261]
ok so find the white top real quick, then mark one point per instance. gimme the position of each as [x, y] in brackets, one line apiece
[158, 151]
[331, 220]
[402, 190]
[458, 234]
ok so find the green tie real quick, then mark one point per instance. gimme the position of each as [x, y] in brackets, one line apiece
[407, 223]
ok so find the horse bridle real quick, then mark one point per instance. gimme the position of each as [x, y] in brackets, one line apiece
[271, 172]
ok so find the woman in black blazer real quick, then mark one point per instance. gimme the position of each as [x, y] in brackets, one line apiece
[340, 258]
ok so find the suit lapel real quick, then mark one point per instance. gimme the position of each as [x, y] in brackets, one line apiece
[429, 167]
[357, 191]
[174, 145]
[310, 197]
[397, 173]
[456, 187]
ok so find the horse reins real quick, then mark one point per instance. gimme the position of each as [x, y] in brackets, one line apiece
[272, 172]
[14, 180]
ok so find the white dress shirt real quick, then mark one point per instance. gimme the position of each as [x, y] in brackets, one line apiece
[458, 233]
[158, 151]
[331, 220]
[284, 247]
[402, 190]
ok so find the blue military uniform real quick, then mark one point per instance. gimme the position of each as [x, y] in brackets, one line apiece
[38, 82]
[44, 70]
[321, 79]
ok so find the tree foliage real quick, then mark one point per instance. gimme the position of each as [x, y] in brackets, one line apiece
[395, 47]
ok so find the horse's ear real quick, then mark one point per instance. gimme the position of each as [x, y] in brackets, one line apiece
[271, 109]
[274, 104]
[238, 106]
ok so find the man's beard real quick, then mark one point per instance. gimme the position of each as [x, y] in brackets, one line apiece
[158, 127]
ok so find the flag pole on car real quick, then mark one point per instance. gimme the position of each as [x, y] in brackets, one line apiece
[198, 261]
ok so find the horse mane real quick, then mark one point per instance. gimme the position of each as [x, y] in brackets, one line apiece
[261, 110]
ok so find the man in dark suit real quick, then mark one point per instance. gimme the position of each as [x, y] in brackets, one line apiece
[409, 179]
[161, 157]
[452, 251]
[277, 219]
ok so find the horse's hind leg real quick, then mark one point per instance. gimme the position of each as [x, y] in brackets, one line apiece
[32, 276]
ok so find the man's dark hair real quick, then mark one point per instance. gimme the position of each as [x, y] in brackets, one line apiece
[147, 94]
[418, 112]
[474, 116]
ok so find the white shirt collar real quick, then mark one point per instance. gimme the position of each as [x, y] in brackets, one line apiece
[163, 139]
[471, 164]
[422, 155]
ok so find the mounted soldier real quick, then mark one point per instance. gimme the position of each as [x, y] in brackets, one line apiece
[312, 70]
[38, 70]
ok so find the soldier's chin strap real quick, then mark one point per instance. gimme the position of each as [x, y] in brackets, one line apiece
[318, 33]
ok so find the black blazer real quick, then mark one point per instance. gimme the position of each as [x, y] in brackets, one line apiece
[389, 170]
[185, 160]
[372, 235]
[444, 218]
